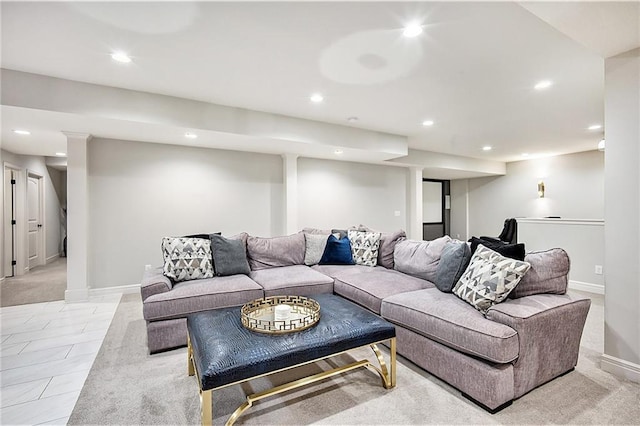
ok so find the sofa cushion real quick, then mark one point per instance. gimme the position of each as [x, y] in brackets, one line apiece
[337, 252]
[549, 273]
[514, 251]
[364, 247]
[368, 287]
[419, 258]
[277, 251]
[229, 256]
[186, 258]
[335, 270]
[455, 258]
[388, 241]
[452, 322]
[489, 278]
[200, 295]
[314, 248]
[297, 280]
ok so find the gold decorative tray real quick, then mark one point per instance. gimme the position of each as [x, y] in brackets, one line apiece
[280, 314]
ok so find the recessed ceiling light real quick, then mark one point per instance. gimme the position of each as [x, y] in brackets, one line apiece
[601, 145]
[595, 127]
[544, 84]
[486, 148]
[120, 56]
[427, 123]
[352, 119]
[21, 132]
[525, 154]
[338, 151]
[412, 30]
[61, 154]
[316, 97]
[190, 135]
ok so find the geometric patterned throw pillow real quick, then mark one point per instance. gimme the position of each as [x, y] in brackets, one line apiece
[489, 278]
[364, 247]
[187, 258]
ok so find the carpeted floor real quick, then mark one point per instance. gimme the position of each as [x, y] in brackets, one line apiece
[45, 283]
[128, 386]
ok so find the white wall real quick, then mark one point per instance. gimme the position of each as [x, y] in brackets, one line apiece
[51, 199]
[140, 192]
[574, 188]
[622, 215]
[333, 194]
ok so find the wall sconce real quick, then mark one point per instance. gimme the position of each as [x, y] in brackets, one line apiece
[541, 189]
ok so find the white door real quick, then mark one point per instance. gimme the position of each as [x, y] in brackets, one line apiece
[34, 220]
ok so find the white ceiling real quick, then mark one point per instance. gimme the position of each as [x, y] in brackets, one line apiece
[472, 71]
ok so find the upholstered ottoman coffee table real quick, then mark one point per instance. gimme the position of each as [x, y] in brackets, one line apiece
[221, 352]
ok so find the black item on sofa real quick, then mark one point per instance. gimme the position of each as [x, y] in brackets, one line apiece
[509, 232]
[229, 256]
[203, 236]
[337, 252]
[514, 251]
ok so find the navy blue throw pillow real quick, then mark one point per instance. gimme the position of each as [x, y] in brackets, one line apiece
[337, 252]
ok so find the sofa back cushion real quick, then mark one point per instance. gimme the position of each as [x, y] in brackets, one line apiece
[455, 258]
[549, 273]
[186, 258]
[277, 251]
[388, 241]
[419, 258]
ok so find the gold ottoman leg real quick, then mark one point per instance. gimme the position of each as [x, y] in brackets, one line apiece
[206, 409]
[190, 368]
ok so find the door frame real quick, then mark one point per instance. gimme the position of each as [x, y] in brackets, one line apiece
[20, 235]
[42, 238]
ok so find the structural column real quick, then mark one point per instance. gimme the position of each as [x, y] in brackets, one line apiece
[622, 216]
[77, 217]
[414, 219]
[290, 179]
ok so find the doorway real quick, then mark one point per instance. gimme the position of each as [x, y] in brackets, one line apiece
[435, 208]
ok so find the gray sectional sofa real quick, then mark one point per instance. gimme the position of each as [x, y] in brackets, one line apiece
[492, 357]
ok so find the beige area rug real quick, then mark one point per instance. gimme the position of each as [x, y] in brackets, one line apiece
[45, 283]
[126, 385]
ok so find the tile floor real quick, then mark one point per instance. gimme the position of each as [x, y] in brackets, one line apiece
[46, 352]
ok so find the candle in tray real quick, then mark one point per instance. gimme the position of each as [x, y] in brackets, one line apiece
[282, 312]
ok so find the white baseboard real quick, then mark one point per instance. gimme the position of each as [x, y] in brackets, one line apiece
[588, 287]
[620, 367]
[52, 258]
[78, 295]
[124, 289]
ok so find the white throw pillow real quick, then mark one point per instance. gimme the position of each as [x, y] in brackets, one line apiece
[187, 258]
[489, 278]
[364, 247]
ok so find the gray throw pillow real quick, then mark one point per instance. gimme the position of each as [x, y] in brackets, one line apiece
[549, 273]
[314, 247]
[453, 262]
[229, 256]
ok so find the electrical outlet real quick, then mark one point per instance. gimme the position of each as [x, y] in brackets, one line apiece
[147, 267]
[397, 213]
[598, 270]
[458, 236]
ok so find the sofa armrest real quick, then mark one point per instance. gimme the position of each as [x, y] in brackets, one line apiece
[549, 330]
[154, 282]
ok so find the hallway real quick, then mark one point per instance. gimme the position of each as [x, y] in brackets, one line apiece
[45, 283]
